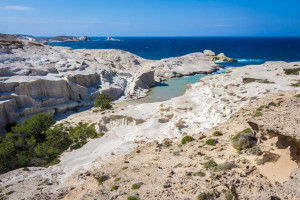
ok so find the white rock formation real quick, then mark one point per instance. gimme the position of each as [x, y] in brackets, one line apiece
[39, 78]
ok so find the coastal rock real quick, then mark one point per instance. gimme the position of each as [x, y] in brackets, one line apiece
[220, 57]
[111, 39]
[84, 38]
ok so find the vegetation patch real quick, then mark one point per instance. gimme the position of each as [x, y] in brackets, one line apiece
[296, 84]
[201, 174]
[114, 187]
[297, 96]
[205, 196]
[178, 165]
[210, 164]
[36, 143]
[257, 114]
[251, 80]
[292, 71]
[228, 195]
[255, 150]
[102, 179]
[103, 101]
[217, 133]
[136, 186]
[117, 179]
[225, 166]
[132, 198]
[186, 139]
[210, 142]
[9, 193]
[268, 157]
[244, 139]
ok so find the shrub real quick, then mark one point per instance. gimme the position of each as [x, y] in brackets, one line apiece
[255, 150]
[210, 164]
[210, 142]
[257, 114]
[228, 195]
[117, 179]
[186, 139]
[136, 186]
[204, 196]
[114, 187]
[34, 127]
[201, 174]
[36, 143]
[244, 139]
[217, 133]
[260, 108]
[291, 71]
[102, 179]
[225, 166]
[103, 101]
[297, 96]
[132, 198]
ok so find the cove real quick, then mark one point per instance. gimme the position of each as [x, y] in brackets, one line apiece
[172, 87]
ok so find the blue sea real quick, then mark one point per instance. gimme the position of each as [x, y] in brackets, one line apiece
[247, 50]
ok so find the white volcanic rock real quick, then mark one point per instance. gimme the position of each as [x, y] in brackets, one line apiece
[194, 63]
[57, 78]
[84, 38]
[220, 57]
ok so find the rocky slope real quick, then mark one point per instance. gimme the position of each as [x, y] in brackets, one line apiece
[39, 78]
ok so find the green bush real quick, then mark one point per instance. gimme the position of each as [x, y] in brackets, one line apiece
[186, 139]
[225, 166]
[36, 143]
[103, 101]
[255, 150]
[102, 179]
[217, 133]
[204, 196]
[244, 139]
[257, 114]
[228, 195]
[117, 179]
[135, 186]
[132, 198]
[201, 174]
[114, 187]
[292, 71]
[210, 164]
[297, 96]
[210, 142]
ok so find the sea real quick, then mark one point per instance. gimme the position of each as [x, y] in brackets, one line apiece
[247, 50]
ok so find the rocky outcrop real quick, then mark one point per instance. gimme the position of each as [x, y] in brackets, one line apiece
[191, 64]
[219, 58]
[84, 38]
[111, 39]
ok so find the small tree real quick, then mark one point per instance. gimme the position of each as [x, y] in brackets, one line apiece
[103, 101]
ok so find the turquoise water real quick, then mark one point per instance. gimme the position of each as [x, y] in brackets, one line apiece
[172, 87]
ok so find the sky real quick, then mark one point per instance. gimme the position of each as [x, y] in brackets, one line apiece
[151, 17]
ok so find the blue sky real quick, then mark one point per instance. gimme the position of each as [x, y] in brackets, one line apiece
[151, 17]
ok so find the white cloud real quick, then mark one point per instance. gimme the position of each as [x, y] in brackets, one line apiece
[19, 8]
